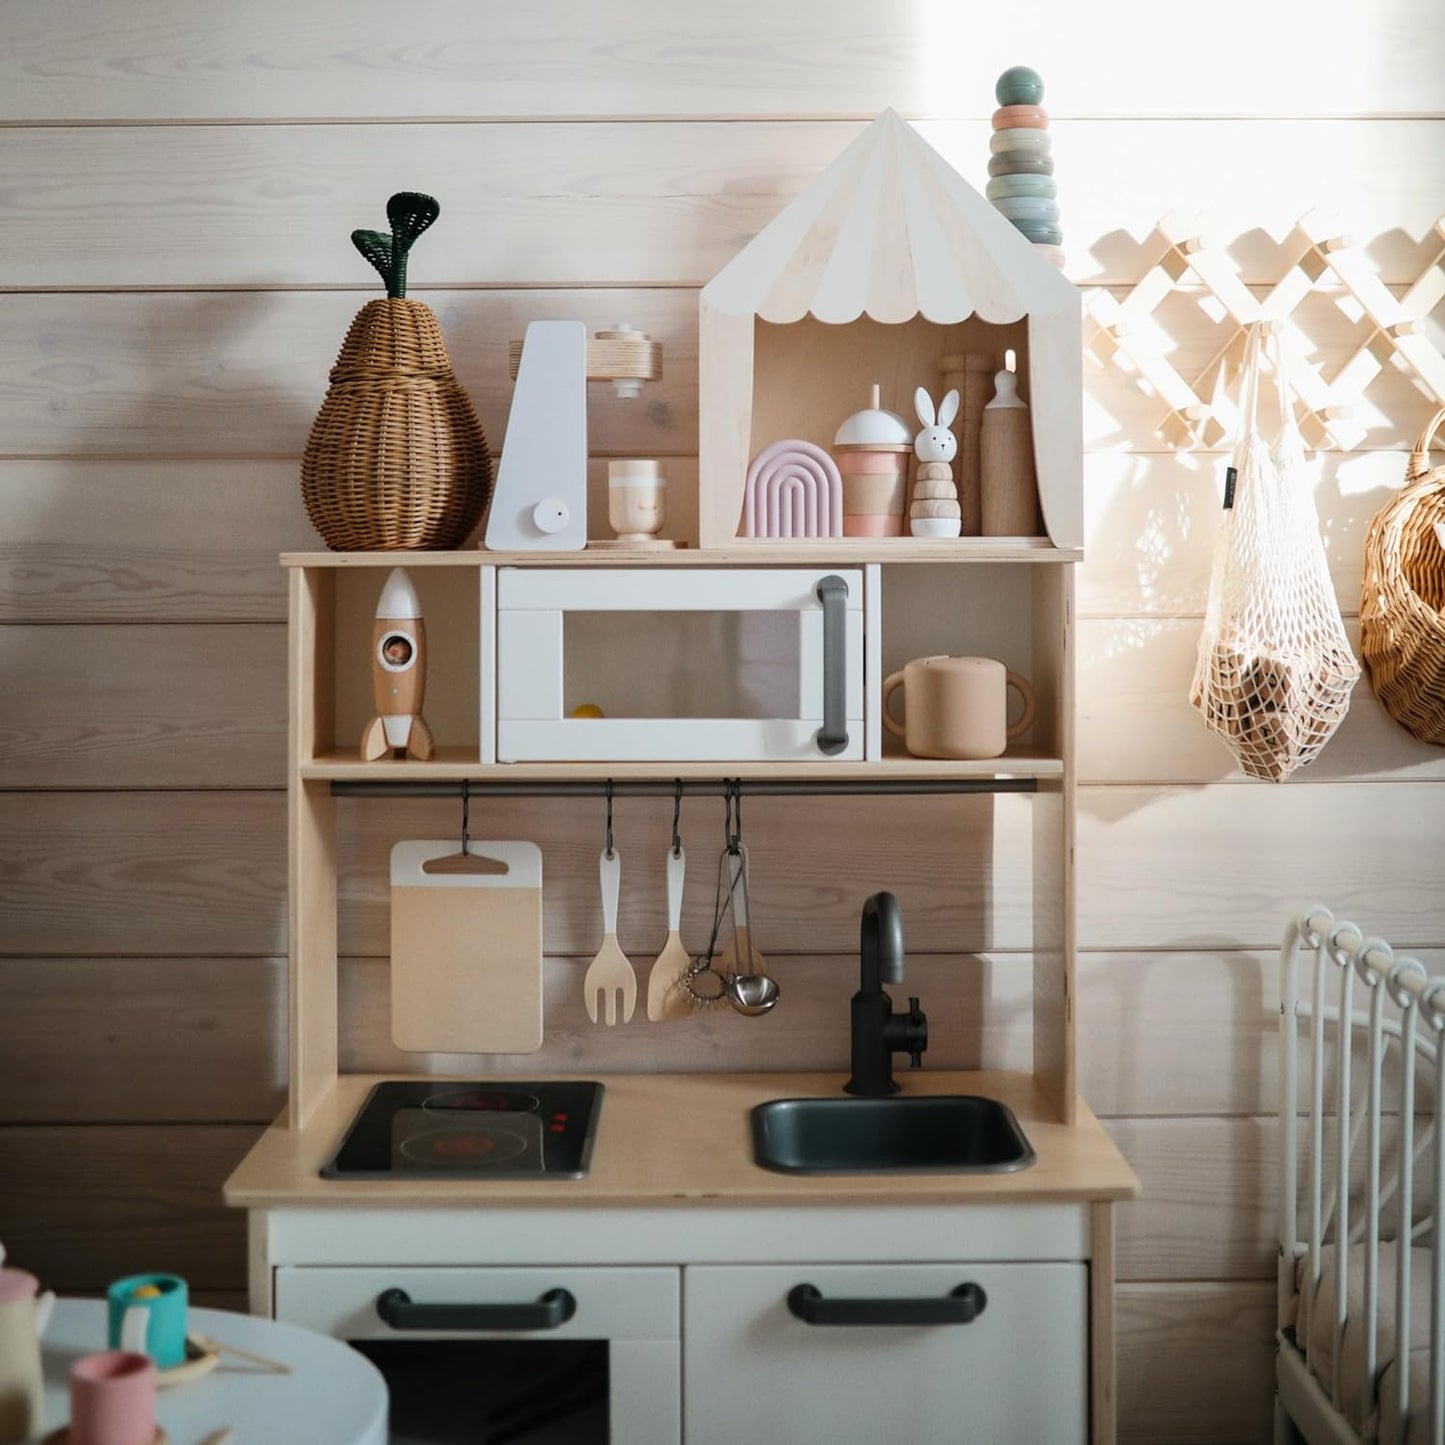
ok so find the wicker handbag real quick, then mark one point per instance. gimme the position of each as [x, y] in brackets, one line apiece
[1402, 603]
[396, 456]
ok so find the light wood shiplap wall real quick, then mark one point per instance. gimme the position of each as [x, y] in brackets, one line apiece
[177, 181]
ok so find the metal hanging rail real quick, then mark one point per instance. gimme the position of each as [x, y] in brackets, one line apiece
[667, 788]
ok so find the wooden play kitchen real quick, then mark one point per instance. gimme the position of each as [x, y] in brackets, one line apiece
[630, 1209]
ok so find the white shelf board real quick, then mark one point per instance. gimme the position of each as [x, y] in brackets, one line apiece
[754, 553]
[456, 764]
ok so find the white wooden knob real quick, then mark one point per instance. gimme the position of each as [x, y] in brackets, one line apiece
[551, 515]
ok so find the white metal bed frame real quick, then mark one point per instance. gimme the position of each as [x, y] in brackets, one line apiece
[1303, 1407]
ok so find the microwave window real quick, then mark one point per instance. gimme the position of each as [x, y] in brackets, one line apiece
[682, 664]
[472, 1391]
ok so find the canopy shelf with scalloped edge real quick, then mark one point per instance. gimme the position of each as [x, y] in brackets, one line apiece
[888, 261]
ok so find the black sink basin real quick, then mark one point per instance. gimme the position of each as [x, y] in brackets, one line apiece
[931, 1134]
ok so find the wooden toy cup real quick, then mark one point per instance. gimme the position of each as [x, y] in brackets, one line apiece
[147, 1315]
[957, 707]
[113, 1399]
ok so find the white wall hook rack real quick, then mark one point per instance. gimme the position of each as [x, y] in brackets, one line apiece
[1317, 257]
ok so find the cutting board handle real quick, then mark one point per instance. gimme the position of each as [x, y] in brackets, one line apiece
[472, 862]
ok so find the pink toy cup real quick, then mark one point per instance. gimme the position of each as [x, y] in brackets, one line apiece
[113, 1399]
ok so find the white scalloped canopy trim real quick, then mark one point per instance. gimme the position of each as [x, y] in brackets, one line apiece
[891, 231]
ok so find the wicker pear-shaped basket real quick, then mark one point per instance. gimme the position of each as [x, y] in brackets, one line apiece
[1402, 602]
[396, 456]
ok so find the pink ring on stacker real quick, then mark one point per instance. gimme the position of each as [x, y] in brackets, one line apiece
[1021, 117]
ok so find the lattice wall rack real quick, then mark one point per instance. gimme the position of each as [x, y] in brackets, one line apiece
[1315, 259]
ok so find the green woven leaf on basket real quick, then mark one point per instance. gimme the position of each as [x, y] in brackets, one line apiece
[377, 249]
[410, 213]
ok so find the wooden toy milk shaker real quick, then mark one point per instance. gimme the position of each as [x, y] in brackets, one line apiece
[24, 1313]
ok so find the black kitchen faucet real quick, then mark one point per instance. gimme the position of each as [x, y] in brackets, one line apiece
[879, 1033]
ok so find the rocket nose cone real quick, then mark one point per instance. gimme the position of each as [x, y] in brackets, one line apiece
[398, 597]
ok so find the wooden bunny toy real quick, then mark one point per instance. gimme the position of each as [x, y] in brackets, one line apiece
[935, 511]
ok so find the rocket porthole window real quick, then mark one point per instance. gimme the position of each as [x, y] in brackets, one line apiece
[396, 652]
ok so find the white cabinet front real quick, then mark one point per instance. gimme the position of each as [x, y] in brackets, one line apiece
[858, 1354]
[673, 665]
[477, 1354]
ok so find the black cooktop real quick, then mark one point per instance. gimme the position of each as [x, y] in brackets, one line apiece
[453, 1129]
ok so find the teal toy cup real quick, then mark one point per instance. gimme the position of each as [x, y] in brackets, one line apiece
[147, 1316]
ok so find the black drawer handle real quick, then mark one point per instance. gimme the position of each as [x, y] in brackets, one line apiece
[962, 1307]
[547, 1312]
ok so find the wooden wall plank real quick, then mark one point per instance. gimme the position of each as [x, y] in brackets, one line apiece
[81, 1206]
[145, 707]
[665, 204]
[810, 868]
[1195, 1363]
[1187, 1033]
[78, 1035]
[186, 873]
[1150, 524]
[1168, 1034]
[242, 374]
[1207, 1198]
[66, 60]
[978, 1016]
[142, 1040]
[143, 873]
[79, 540]
[1135, 723]
[147, 541]
[1225, 867]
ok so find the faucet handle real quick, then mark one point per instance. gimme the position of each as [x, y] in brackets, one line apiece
[917, 1033]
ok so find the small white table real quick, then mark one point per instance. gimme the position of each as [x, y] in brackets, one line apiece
[333, 1395]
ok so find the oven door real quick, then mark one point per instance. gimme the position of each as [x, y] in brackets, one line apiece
[474, 1355]
[679, 664]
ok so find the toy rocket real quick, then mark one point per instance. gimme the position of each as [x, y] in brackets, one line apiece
[398, 675]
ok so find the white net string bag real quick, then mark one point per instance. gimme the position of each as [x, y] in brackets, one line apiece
[1275, 672]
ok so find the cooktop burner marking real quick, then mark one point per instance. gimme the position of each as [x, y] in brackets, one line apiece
[488, 1101]
[463, 1147]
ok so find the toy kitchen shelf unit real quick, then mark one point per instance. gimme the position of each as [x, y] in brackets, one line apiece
[889, 268]
[1018, 610]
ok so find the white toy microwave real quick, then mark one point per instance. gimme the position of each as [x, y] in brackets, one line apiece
[686, 664]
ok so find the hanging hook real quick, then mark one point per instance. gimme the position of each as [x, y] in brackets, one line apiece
[732, 814]
[466, 816]
[609, 818]
[676, 817]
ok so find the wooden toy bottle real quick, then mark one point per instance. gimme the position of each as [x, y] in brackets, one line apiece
[1010, 501]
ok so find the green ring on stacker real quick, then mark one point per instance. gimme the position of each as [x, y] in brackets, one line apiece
[1020, 163]
[1028, 208]
[1045, 187]
[1019, 85]
[1039, 232]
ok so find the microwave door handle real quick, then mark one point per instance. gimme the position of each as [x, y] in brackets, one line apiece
[548, 1312]
[832, 737]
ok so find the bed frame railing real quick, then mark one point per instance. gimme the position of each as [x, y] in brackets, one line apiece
[1419, 1029]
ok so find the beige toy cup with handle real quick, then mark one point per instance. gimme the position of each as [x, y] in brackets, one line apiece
[957, 707]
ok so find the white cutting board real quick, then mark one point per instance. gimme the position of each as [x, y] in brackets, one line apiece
[466, 950]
